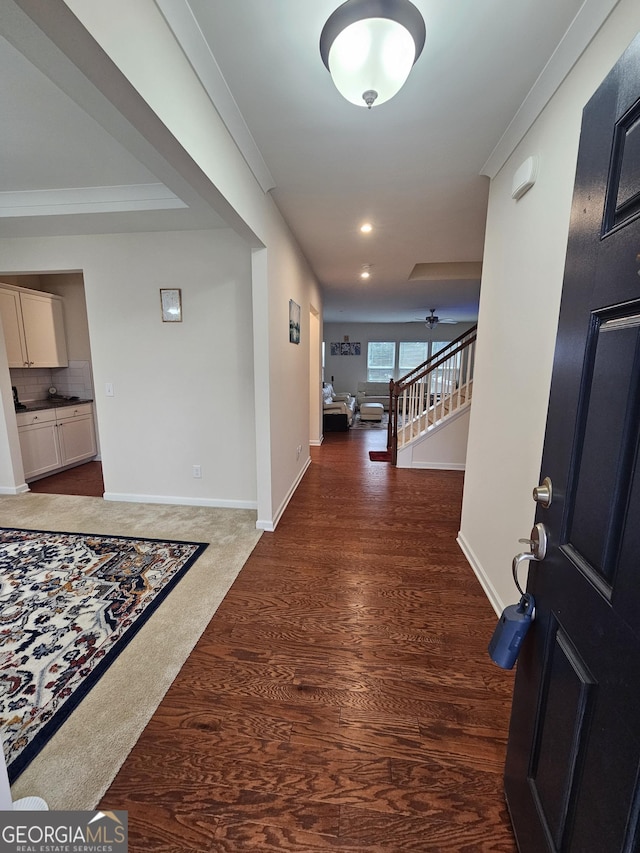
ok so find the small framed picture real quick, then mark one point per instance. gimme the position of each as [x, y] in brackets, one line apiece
[171, 304]
[294, 322]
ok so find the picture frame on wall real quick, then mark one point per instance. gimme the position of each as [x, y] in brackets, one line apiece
[171, 305]
[346, 348]
[294, 322]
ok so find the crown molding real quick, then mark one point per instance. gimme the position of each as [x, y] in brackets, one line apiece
[583, 28]
[56, 202]
[183, 24]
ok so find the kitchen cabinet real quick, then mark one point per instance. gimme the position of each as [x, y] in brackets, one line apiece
[52, 439]
[76, 435]
[38, 433]
[33, 328]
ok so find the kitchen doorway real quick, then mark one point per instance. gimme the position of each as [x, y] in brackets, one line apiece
[35, 386]
[83, 480]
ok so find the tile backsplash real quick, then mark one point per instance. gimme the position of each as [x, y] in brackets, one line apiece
[33, 383]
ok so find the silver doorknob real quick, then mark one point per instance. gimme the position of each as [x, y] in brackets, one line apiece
[538, 542]
[543, 494]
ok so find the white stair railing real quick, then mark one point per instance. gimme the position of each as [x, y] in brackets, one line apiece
[432, 392]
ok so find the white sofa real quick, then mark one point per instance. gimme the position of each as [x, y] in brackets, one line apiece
[373, 392]
[338, 409]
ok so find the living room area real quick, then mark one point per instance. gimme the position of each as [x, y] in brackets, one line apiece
[360, 359]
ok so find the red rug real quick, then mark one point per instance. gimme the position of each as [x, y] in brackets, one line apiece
[380, 455]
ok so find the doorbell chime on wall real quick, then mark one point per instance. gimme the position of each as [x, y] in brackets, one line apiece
[524, 178]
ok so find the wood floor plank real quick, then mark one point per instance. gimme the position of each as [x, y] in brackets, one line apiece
[470, 829]
[232, 837]
[342, 698]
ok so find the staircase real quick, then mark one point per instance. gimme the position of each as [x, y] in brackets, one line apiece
[432, 394]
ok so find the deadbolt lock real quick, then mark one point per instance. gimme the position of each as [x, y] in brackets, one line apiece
[543, 494]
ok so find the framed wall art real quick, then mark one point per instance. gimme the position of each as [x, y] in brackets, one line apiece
[171, 305]
[346, 348]
[294, 322]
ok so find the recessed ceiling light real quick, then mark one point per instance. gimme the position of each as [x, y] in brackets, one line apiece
[366, 228]
[366, 271]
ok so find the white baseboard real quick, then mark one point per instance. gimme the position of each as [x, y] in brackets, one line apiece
[270, 526]
[316, 442]
[440, 466]
[489, 589]
[14, 490]
[179, 501]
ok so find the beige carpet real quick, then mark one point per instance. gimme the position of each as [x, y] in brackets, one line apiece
[77, 765]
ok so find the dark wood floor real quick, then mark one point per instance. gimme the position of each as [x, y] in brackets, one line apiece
[342, 698]
[85, 480]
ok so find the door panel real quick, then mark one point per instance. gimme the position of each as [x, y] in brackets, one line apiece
[573, 758]
[623, 191]
[606, 443]
[602, 822]
[561, 732]
[11, 316]
[77, 439]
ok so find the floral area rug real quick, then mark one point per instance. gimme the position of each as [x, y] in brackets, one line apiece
[69, 604]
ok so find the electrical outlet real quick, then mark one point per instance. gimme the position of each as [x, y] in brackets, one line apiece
[197, 471]
[298, 449]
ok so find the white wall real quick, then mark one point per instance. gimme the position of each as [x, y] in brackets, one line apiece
[348, 370]
[519, 304]
[184, 392]
[286, 370]
[444, 447]
[315, 371]
[138, 40]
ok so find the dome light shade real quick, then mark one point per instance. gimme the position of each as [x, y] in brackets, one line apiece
[370, 46]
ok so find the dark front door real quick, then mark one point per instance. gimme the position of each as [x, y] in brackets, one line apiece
[572, 776]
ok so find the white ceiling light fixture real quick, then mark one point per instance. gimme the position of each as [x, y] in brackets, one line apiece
[370, 46]
[366, 271]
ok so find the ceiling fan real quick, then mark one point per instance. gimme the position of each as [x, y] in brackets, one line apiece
[432, 320]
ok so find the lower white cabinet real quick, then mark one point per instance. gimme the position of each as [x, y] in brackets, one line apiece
[56, 438]
[76, 434]
[38, 432]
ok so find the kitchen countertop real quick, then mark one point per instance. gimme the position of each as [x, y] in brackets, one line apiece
[53, 403]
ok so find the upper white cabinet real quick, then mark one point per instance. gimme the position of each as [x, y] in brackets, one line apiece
[33, 328]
